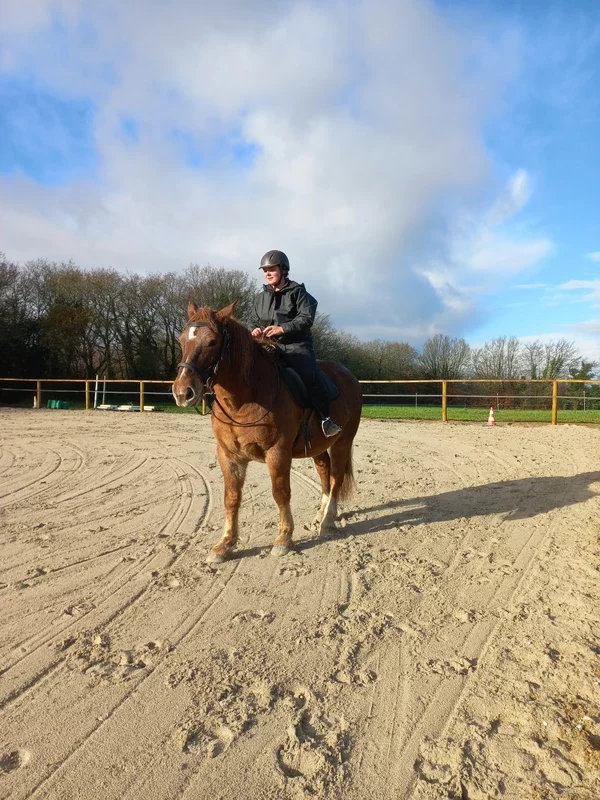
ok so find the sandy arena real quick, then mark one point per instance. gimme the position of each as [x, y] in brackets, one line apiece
[443, 643]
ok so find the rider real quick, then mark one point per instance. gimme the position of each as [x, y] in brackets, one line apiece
[285, 311]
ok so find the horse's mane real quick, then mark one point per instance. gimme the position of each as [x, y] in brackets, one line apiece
[242, 346]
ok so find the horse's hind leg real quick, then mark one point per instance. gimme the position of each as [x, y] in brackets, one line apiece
[279, 465]
[234, 474]
[323, 466]
[341, 469]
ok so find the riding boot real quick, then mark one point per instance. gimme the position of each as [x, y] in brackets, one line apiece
[321, 406]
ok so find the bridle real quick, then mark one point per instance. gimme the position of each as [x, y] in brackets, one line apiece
[207, 376]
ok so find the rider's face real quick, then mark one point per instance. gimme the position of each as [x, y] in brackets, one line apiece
[272, 275]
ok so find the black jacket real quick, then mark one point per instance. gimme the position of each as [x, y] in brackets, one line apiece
[293, 308]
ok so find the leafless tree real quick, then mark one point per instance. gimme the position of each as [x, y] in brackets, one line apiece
[550, 360]
[217, 287]
[499, 359]
[444, 358]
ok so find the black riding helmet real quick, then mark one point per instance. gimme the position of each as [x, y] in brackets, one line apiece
[275, 258]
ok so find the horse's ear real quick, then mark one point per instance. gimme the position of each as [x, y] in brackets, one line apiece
[227, 312]
[192, 309]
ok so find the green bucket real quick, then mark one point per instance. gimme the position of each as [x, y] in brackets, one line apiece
[65, 404]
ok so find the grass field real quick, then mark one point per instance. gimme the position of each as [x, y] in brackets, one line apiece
[477, 414]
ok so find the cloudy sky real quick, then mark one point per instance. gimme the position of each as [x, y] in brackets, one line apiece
[427, 166]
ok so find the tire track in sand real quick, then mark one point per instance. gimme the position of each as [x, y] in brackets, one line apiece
[15, 488]
[182, 508]
[186, 629]
[439, 695]
[438, 698]
[42, 485]
[7, 459]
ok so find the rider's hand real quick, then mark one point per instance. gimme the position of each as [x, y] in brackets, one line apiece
[273, 330]
[257, 332]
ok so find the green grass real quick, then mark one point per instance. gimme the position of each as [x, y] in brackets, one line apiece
[454, 414]
[476, 414]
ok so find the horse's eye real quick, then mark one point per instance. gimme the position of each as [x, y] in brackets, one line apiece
[211, 342]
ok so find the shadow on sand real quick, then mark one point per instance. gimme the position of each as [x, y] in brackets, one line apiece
[514, 500]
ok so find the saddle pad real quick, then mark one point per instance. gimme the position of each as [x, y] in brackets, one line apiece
[297, 388]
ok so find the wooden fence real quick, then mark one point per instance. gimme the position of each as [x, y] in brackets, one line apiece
[39, 384]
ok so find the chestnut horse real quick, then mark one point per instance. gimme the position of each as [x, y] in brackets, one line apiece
[255, 419]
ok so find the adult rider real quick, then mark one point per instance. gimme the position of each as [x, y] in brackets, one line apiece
[285, 311]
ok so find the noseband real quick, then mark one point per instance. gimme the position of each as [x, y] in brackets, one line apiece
[207, 375]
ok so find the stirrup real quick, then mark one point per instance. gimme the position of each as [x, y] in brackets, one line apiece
[330, 428]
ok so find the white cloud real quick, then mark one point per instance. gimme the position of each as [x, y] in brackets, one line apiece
[481, 250]
[512, 200]
[365, 115]
[575, 285]
[594, 256]
[590, 328]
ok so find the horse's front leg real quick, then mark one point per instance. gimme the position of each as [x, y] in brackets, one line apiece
[234, 474]
[279, 465]
[322, 464]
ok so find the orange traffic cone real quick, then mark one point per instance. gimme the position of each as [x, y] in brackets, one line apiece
[491, 420]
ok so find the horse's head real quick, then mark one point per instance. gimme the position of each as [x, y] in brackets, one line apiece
[204, 342]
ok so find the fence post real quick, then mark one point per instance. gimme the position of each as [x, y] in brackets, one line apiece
[87, 395]
[38, 393]
[555, 402]
[203, 407]
[444, 401]
[141, 397]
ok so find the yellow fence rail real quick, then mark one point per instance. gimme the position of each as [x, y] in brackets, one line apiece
[38, 383]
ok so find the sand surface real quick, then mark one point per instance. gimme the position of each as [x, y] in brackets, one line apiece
[444, 642]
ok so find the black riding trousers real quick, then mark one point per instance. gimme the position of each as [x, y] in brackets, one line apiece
[301, 357]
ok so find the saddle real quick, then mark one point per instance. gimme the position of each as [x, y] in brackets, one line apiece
[298, 389]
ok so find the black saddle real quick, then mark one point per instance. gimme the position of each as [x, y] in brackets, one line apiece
[298, 389]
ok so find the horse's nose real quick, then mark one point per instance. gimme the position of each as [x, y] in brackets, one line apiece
[184, 395]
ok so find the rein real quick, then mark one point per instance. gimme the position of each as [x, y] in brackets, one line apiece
[207, 377]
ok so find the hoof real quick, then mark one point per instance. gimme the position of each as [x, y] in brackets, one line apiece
[326, 527]
[279, 550]
[216, 558]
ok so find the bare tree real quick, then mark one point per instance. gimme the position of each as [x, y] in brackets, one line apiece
[444, 358]
[217, 287]
[172, 311]
[550, 360]
[390, 360]
[499, 359]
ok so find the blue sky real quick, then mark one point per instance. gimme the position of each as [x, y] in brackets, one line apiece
[428, 166]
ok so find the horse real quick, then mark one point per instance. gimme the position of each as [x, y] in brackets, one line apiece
[255, 418]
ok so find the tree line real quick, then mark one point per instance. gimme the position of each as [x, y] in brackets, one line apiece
[58, 320]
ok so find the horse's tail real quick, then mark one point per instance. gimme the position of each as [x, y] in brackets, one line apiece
[348, 485]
